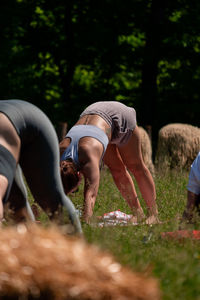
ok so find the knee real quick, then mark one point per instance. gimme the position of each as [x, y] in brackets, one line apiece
[137, 168]
[118, 171]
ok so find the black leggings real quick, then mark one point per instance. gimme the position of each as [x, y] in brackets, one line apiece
[39, 160]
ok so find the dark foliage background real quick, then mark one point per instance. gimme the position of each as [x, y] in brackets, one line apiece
[63, 55]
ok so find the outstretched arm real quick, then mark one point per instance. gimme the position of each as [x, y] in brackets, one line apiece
[91, 174]
[192, 204]
[193, 187]
[90, 153]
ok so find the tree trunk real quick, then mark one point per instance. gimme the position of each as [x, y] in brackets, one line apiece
[152, 54]
[67, 70]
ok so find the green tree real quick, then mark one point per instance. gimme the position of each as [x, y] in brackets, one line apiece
[64, 55]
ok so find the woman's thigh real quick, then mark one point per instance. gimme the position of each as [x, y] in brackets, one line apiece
[112, 158]
[131, 153]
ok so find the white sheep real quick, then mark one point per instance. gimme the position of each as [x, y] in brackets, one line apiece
[178, 145]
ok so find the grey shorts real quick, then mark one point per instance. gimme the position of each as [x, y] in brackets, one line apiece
[120, 117]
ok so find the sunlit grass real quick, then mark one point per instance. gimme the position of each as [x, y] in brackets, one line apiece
[175, 263]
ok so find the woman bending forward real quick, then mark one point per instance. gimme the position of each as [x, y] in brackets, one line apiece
[28, 144]
[107, 131]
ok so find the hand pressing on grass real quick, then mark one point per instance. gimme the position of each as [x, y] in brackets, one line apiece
[193, 195]
[192, 208]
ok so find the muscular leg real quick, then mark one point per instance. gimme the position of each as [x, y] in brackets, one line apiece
[132, 157]
[122, 178]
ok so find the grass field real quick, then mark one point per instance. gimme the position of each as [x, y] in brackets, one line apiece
[175, 263]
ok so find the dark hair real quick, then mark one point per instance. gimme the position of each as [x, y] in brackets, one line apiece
[69, 175]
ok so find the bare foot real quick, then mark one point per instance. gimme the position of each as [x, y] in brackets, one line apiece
[152, 220]
[134, 219]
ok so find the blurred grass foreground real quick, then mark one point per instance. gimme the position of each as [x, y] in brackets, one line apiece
[175, 263]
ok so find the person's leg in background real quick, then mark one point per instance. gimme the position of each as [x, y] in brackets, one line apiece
[122, 179]
[40, 164]
[131, 155]
[18, 199]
